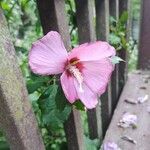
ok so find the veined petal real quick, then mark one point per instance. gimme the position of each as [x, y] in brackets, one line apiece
[68, 87]
[97, 74]
[87, 96]
[48, 55]
[92, 51]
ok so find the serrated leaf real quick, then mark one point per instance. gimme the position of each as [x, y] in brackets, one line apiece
[36, 82]
[47, 92]
[60, 99]
[33, 86]
[64, 114]
[51, 115]
[47, 99]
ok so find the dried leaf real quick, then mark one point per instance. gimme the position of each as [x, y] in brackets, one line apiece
[145, 80]
[110, 146]
[143, 87]
[128, 120]
[129, 139]
[130, 101]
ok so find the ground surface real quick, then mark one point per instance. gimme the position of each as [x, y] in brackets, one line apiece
[138, 85]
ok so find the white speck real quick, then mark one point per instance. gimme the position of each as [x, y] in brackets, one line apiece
[142, 99]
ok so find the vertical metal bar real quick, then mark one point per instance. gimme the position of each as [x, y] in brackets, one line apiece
[144, 44]
[74, 132]
[85, 20]
[123, 67]
[53, 17]
[102, 30]
[102, 19]
[114, 8]
[114, 12]
[86, 31]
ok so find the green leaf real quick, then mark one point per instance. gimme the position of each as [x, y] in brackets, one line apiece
[47, 99]
[60, 99]
[79, 105]
[36, 82]
[112, 20]
[33, 85]
[20, 49]
[124, 17]
[114, 39]
[63, 116]
[91, 144]
[4, 145]
[51, 115]
[116, 59]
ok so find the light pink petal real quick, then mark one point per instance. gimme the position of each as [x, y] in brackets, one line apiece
[48, 55]
[68, 87]
[87, 96]
[97, 74]
[93, 51]
[111, 146]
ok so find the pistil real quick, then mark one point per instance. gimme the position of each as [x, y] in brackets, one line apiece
[77, 74]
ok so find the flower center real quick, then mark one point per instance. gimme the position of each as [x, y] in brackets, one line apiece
[74, 68]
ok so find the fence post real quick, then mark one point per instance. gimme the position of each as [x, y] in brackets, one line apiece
[102, 30]
[124, 5]
[144, 44]
[114, 12]
[53, 17]
[16, 116]
[86, 32]
[114, 8]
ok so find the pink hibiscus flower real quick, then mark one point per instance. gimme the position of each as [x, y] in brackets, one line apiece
[85, 70]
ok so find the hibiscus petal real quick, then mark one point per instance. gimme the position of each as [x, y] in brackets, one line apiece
[97, 74]
[92, 51]
[68, 87]
[48, 55]
[87, 97]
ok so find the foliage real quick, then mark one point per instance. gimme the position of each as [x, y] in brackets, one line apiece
[118, 38]
[118, 31]
[136, 9]
[3, 143]
[92, 144]
[71, 13]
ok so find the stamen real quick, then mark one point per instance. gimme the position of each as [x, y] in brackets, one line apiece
[77, 74]
[81, 88]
